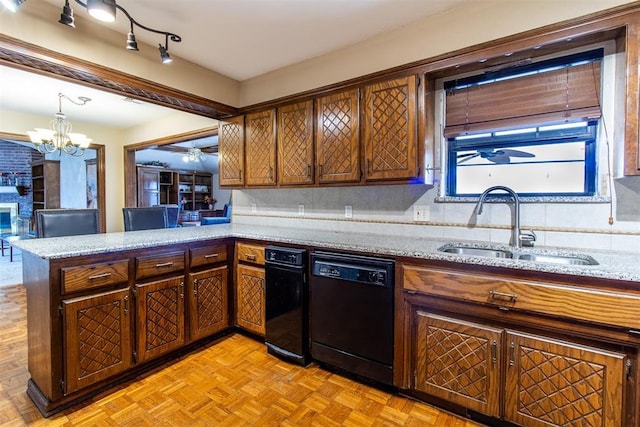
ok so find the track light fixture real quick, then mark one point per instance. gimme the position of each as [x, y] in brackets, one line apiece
[105, 10]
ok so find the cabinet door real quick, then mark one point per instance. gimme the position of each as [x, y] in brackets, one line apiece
[208, 303]
[160, 317]
[96, 338]
[231, 151]
[148, 187]
[459, 361]
[338, 138]
[250, 312]
[295, 143]
[554, 383]
[390, 130]
[260, 144]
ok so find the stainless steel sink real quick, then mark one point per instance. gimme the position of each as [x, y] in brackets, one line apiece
[559, 259]
[485, 252]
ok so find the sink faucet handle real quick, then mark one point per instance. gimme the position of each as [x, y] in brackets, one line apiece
[527, 237]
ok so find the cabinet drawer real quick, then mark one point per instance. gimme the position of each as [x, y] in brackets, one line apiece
[155, 265]
[250, 253]
[208, 255]
[606, 307]
[94, 276]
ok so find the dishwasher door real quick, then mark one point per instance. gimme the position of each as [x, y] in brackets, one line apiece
[351, 314]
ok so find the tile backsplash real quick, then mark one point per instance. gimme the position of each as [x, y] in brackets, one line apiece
[389, 210]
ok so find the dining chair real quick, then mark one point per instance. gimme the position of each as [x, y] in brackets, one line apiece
[145, 218]
[66, 222]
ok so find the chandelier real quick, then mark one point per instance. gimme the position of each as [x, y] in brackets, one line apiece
[193, 154]
[59, 137]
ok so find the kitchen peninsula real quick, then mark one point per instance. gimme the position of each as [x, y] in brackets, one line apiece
[91, 302]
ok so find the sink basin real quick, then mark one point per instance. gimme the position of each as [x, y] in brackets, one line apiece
[464, 250]
[559, 259]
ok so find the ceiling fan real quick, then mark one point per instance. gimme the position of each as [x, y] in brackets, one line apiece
[499, 156]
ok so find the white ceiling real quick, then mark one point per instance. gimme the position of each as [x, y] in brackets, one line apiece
[238, 38]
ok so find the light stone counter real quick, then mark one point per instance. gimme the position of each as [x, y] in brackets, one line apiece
[612, 265]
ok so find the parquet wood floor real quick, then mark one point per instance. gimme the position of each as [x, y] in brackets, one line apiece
[233, 382]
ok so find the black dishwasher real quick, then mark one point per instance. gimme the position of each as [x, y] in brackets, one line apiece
[286, 303]
[351, 314]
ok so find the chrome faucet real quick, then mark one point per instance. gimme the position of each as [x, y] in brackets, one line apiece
[520, 238]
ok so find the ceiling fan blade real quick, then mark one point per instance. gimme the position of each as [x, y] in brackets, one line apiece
[500, 159]
[466, 157]
[517, 153]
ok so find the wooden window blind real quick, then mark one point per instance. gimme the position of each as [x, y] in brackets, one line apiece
[561, 95]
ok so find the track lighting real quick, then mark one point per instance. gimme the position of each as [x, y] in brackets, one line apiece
[105, 10]
[66, 17]
[12, 5]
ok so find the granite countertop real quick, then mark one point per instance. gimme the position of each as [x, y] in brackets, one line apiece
[611, 264]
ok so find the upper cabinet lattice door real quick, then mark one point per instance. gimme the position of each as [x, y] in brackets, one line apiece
[390, 129]
[231, 151]
[260, 142]
[295, 143]
[337, 138]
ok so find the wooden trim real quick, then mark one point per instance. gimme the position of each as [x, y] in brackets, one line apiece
[29, 57]
[632, 106]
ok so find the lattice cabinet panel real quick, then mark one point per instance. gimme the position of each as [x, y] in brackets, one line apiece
[459, 361]
[250, 310]
[208, 302]
[260, 132]
[231, 151]
[97, 338]
[160, 317]
[338, 137]
[390, 129]
[554, 383]
[295, 143]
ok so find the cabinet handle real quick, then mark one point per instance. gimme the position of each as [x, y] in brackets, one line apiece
[270, 172]
[251, 257]
[195, 287]
[164, 264]
[319, 170]
[368, 166]
[126, 304]
[494, 352]
[512, 354]
[308, 170]
[239, 174]
[99, 276]
[503, 295]
[182, 289]
[211, 256]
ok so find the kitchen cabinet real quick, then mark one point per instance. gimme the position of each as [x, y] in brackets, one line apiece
[231, 151]
[338, 137]
[390, 132]
[516, 363]
[208, 291]
[295, 144]
[45, 184]
[260, 145]
[632, 96]
[250, 287]
[97, 330]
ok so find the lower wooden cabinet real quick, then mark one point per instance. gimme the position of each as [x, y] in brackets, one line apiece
[250, 310]
[545, 382]
[159, 317]
[97, 338]
[207, 293]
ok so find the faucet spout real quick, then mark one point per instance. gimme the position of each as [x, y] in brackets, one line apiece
[519, 237]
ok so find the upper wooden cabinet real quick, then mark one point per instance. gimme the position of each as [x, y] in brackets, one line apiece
[390, 129]
[260, 143]
[231, 151]
[337, 138]
[295, 143]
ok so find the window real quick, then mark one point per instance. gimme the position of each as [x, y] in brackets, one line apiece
[532, 128]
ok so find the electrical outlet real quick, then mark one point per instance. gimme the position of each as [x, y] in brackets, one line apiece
[421, 213]
[348, 212]
[254, 208]
[301, 210]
